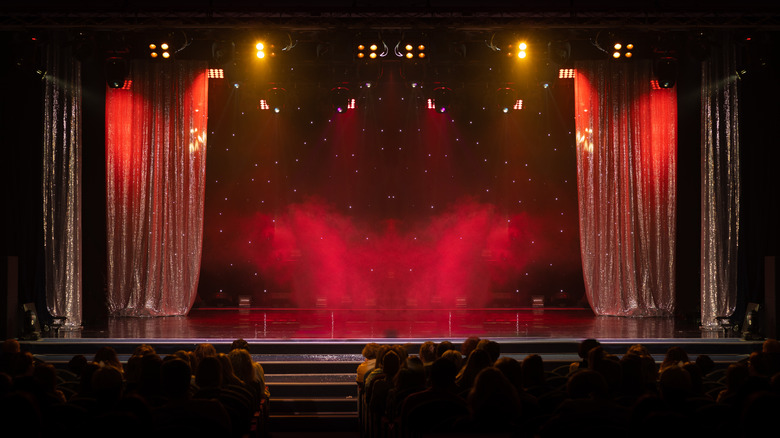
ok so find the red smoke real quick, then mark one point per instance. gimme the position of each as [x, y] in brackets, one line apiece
[453, 259]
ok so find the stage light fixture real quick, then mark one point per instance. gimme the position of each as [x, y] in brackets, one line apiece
[260, 47]
[264, 105]
[216, 73]
[410, 50]
[277, 99]
[506, 99]
[223, 52]
[371, 49]
[665, 70]
[621, 50]
[522, 50]
[116, 71]
[566, 73]
[442, 99]
[160, 50]
[341, 100]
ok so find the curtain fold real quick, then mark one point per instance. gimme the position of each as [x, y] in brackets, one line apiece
[155, 176]
[720, 187]
[626, 180]
[62, 185]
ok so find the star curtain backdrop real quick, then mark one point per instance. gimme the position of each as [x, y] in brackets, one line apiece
[155, 172]
[62, 184]
[392, 204]
[626, 172]
[720, 188]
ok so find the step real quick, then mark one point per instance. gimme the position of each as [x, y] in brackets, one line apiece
[307, 389]
[308, 366]
[324, 421]
[310, 377]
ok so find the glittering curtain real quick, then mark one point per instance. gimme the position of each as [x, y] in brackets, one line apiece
[720, 185]
[62, 185]
[155, 176]
[626, 180]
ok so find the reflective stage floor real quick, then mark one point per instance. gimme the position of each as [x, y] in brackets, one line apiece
[417, 324]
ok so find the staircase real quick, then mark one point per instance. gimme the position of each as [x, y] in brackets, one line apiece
[312, 392]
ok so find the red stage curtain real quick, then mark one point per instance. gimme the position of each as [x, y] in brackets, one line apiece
[626, 179]
[720, 187]
[62, 184]
[155, 175]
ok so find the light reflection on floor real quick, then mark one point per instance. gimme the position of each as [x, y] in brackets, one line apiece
[360, 324]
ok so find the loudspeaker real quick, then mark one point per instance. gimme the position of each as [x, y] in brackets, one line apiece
[31, 328]
[10, 319]
[770, 296]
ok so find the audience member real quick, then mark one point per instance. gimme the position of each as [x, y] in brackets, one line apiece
[203, 392]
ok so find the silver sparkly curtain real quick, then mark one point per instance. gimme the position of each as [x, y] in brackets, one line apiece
[155, 175]
[720, 187]
[62, 185]
[626, 179]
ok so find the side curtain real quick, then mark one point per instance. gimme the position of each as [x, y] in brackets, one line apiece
[720, 187]
[155, 182]
[626, 181]
[62, 185]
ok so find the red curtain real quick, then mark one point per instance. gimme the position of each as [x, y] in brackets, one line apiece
[626, 176]
[155, 176]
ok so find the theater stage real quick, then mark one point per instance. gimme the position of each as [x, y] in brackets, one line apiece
[264, 324]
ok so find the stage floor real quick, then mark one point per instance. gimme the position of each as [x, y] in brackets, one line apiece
[373, 324]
